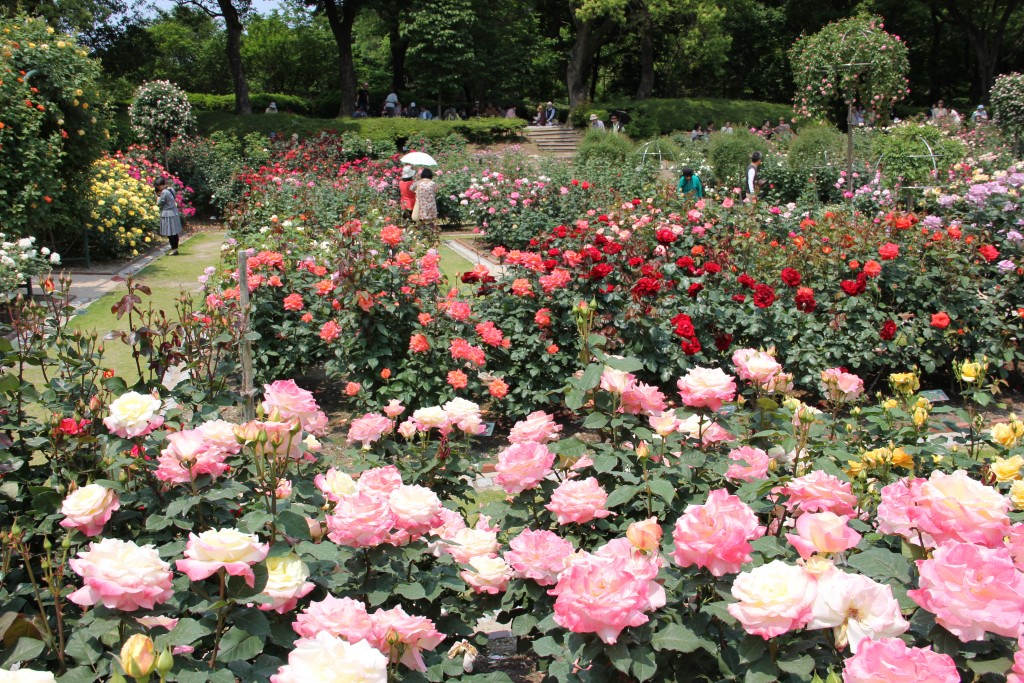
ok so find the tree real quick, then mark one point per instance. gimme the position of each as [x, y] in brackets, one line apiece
[986, 26]
[232, 12]
[853, 61]
[1008, 104]
[159, 112]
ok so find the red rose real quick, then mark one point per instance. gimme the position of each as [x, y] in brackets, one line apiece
[888, 251]
[764, 296]
[940, 320]
[712, 268]
[694, 289]
[989, 252]
[683, 325]
[646, 286]
[723, 342]
[804, 300]
[684, 262]
[690, 347]
[872, 268]
[739, 298]
[791, 276]
[635, 261]
[600, 270]
[888, 330]
[665, 236]
[745, 280]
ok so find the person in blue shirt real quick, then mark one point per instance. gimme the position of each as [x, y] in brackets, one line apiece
[690, 184]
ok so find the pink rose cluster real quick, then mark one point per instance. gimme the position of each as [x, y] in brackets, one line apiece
[399, 636]
[381, 509]
[716, 536]
[706, 388]
[635, 397]
[456, 414]
[607, 591]
[841, 386]
[284, 400]
[818, 492]
[760, 369]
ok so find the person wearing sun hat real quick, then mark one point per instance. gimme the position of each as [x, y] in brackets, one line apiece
[596, 123]
[408, 197]
[979, 115]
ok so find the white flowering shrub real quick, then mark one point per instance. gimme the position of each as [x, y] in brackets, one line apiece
[159, 112]
[21, 259]
[1008, 103]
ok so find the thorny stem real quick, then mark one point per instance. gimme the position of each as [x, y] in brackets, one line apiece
[222, 615]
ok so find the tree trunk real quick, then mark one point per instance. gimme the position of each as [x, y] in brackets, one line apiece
[589, 36]
[341, 26]
[594, 75]
[646, 85]
[399, 48]
[233, 24]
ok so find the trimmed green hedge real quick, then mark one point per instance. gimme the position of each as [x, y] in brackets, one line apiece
[259, 100]
[480, 131]
[651, 118]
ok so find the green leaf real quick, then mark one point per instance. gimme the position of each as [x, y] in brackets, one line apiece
[663, 488]
[882, 565]
[251, 620]
[798, 666]
[547, 647]
[591, 377]
[990, 666]
[644, 666]
[237, 645]
[620, 495]
[186, 632]
[595, 421]
[24, 650]
[294, 525]
[678, 638]
[411, 591]
[523, 624]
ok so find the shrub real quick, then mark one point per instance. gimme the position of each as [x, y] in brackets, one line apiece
[259, 100]
[602, 145]
[160, 112]
[1008, 103]
[654, 117]
[915, 154]
[52, 127]
[729, 154]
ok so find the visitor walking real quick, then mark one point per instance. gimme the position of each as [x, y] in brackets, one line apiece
[170, 219]
[752, 184]
[425, 210]
[689, 184]
[408, 196]
[616, 124]
[596, 123]
[391, 105]
[363, 98]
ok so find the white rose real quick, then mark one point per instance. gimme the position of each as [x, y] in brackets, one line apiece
[434, 416]
[88, 508]
[329, 659]
[414, 506]
[26, 676]
[133, 414]
[286, 582]
[470, 543]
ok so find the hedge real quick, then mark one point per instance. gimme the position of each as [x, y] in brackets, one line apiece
[654, 117]
[479, 130]
[259, 100]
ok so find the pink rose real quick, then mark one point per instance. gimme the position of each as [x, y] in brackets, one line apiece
[326, 658]
[360, 520]
[89, 508]
[276, 440]
[286, 582]
[755, 366]
[227, 549]
[538, 427]
[379, 481]
[893, 513]
[601, 595]
[121, 575]
[402, 637]
[538, 555]
[415, 509]
[972, 590]
[706, 388]
[857, 608]
[488, 575]
[1016, 674]
[343, 617]
[522, 466]
[716, 535]
[645, 535]
[465, 415]
[750, 464]
[841, 386]
[288, 400]
[188, 455]
[368, 428]
[822, 532]
[889, 660]
[334, 484]
[616, 381]
[818, 492]
[642, 399]
[394, 408]
[773, 599]
[221, 434]
[954, 507]
[465, 544]
[1015, 544]
[578, 501]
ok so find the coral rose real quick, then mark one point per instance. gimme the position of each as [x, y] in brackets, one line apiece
[716, 535]
[972, 590]
[121, 575]
[706, 388]
[940, 320]
[889, 660]
[227, 549]
[773, 599]
[522, 466]
[578, 501]
[89, 508]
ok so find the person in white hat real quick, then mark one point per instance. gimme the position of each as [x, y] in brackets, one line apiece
[596, 123]
[408, 197]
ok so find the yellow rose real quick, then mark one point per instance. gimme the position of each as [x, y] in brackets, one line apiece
[138, 656]
[900, 458]
[1007, 434]
[1017, 495]
[905, 383]
[970, 371]
[1007, 469]
[890, 403]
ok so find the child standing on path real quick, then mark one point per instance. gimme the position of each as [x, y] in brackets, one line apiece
[170, 219]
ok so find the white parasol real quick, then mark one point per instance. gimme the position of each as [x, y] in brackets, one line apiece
[418, 159]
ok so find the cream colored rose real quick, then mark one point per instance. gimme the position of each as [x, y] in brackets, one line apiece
[227, 545]
[330, 659]
[488, 574]
[434, 416]
[1007, 469]
[1017, 495]
[414, 506]
[286, 582]
[469, 543]
[26, 676]
[335, 484]
[89, 508]
[133, 414]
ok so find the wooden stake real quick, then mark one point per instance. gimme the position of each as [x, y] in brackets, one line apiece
[248, 392]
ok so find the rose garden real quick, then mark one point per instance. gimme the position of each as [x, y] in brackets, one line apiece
[722, 447]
